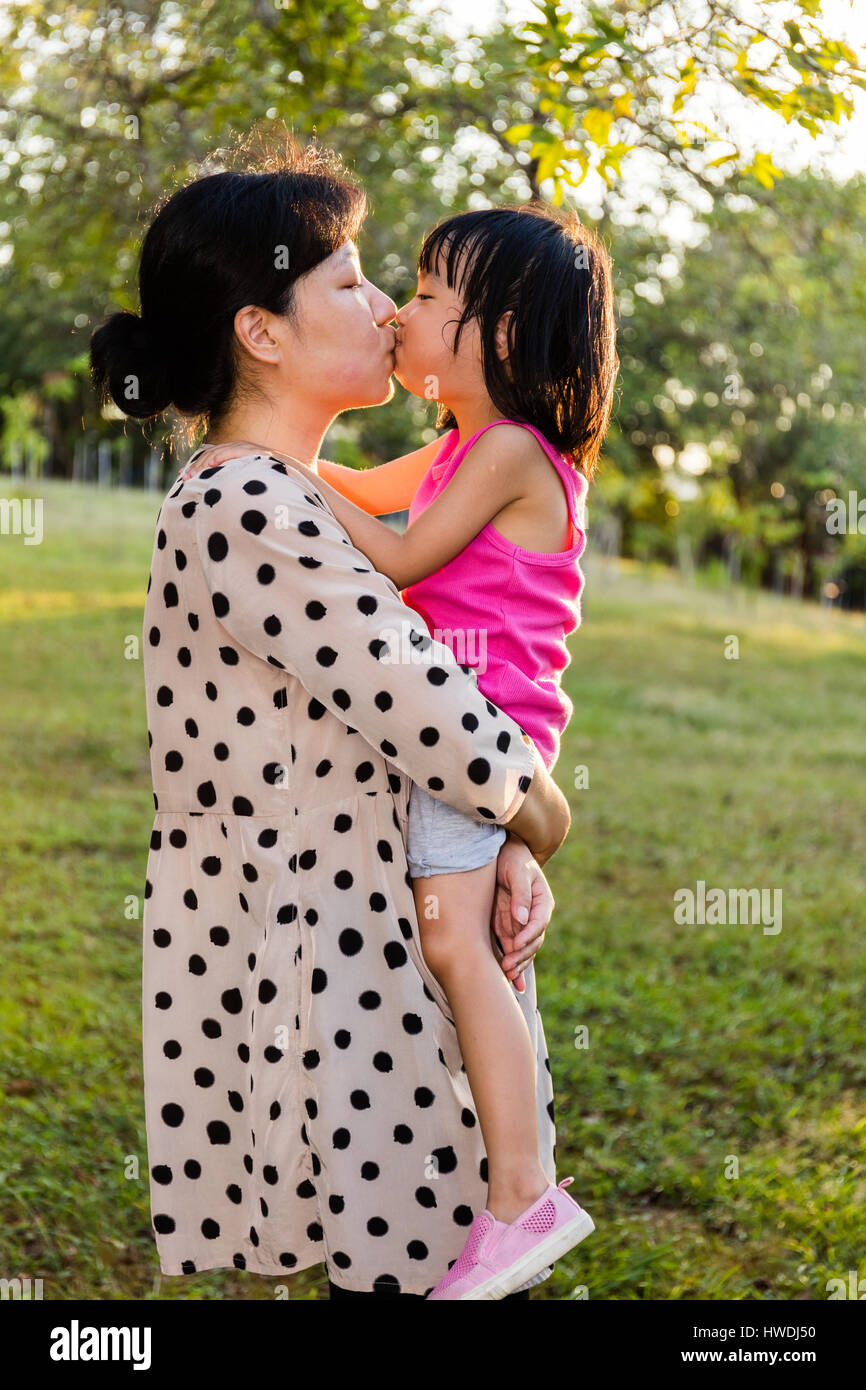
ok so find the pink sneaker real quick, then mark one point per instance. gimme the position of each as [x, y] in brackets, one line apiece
[498, 1258]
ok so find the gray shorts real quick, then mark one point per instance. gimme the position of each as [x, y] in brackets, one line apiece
[442, 840]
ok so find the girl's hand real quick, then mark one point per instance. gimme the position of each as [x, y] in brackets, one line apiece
[521, 890]
[213, 454]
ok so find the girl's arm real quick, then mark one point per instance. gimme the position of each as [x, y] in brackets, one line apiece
[493, 474]
[389, 487]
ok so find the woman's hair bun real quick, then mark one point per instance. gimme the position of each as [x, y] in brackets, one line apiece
[207, 253]
[128, 366]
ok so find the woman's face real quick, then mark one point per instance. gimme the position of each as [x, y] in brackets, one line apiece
[339, 346]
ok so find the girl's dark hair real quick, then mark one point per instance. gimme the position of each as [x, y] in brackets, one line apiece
[553, 275]
[240, 236]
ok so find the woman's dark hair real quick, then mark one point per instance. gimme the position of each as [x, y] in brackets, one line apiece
[553, 275]
[240, 236]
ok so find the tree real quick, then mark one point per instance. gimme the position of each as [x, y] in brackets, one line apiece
[742, 407]
[113, 105]
[653, 75]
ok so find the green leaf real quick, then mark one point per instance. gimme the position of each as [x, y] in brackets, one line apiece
[548, 161]
[793, 31]
[597, 123]
[516, 133]
[582, 159]
[614, 154]
[764, 170]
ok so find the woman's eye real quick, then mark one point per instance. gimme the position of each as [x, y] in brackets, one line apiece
[358, 286]
[423, 296]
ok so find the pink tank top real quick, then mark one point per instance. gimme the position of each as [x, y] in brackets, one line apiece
[504, 610]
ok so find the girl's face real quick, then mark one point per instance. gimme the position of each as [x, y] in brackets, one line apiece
[425, 362]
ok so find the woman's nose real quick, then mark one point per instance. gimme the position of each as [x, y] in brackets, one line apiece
[384, 309]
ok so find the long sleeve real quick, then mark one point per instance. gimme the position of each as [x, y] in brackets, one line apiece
[287, 584]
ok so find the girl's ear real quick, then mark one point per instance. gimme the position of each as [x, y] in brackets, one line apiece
[502, 334]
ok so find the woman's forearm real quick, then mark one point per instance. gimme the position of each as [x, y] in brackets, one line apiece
[544, 817]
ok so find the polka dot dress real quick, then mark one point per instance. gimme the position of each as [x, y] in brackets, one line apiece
[305, 1096]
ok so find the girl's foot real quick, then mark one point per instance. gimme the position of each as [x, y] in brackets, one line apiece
[499, 1258]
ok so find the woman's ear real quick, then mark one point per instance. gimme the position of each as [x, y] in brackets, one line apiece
[253, 328]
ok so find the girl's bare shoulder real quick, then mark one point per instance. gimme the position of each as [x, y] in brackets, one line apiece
[539, 519]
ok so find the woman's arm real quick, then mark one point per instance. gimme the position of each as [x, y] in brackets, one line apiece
[544, 818]
[330, 620]
[289, 587]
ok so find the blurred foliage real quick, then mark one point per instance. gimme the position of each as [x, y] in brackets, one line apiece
[639, 73]
[111, 107]
[741, 404]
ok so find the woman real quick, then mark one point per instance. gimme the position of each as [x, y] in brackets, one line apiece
[305, 1097]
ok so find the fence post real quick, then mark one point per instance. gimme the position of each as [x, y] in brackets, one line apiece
[125, 471]
[153, 466]
[734, 559]
[685, 557]
[607, 538]
[103, 463]
[34, 466]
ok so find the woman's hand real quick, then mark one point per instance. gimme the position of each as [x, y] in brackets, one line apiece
[522, 907]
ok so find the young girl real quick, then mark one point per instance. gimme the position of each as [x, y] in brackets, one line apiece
[512, 332]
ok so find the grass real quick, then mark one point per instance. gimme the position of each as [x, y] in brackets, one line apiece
[711, 1109]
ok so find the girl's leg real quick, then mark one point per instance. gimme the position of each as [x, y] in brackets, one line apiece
[492, 1032]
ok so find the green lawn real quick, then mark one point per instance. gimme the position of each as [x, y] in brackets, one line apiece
[715, 1124]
